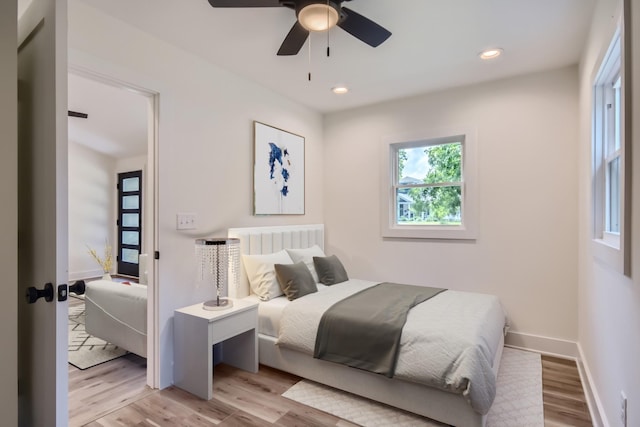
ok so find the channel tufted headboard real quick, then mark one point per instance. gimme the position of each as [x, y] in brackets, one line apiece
[267, 240]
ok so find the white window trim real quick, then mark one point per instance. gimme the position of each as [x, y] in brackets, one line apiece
[468, 230]
[612, 249]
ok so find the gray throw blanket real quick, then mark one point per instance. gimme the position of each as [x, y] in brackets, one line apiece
[363, 331]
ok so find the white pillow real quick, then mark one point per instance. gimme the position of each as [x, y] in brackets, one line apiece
[262, 275]
[306, 256]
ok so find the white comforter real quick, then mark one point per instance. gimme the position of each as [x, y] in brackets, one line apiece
[448, 342]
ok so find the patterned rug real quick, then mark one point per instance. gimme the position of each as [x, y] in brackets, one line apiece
[86, 350]
[518, 399]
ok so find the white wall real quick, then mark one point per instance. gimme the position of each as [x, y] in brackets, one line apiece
[526, 250]
[92, 189]
[609, 303]
[9, 212]
[205, 147]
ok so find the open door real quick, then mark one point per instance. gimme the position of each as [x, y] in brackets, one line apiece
[42, 213]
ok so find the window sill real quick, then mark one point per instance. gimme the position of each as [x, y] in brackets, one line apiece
[609, 255]
[611, 240]
[443, 232]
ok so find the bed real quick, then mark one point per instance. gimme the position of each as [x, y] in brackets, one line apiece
[117, 313]
[401, 391]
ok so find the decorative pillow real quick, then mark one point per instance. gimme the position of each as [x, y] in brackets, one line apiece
[306, 256]
[261, 274]
[295, 280]
[330, 270]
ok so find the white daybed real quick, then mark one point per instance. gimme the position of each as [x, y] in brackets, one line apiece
[434, 403]
[117, 313]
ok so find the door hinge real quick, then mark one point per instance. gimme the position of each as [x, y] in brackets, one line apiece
[156, 255]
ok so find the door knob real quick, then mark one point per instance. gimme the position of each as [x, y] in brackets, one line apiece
[32, 295]
[78, 288]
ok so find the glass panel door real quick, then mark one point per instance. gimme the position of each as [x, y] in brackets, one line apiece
[129, 222]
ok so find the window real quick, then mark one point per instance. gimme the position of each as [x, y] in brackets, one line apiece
[430, 191]
[608, 158]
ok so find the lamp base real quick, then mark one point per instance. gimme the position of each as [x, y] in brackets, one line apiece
[220, 304]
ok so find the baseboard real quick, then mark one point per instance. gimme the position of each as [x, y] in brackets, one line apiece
[81, 275]
[594, 403]
[544, 345]
[568, 350]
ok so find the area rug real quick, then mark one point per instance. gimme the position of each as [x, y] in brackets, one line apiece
[86, 351]
[518, 399]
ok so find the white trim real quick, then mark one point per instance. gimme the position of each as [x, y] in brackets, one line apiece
[613, 253]
[541, 344]
[469, 210]
[594, 403]
[151, 241]
[86, 274]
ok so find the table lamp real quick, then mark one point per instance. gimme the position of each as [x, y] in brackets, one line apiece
[218, 260]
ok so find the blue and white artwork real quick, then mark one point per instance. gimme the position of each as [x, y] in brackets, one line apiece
[278, 176]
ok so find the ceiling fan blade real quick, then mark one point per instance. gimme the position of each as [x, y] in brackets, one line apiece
[294, 40]
[244, 3]
[363, 28]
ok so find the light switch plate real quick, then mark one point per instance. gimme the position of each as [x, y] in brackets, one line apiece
[186, 221]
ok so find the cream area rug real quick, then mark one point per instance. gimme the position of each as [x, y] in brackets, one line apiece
[86, 350]
[518, 399]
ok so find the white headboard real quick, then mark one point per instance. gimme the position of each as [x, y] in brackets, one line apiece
[267, 240]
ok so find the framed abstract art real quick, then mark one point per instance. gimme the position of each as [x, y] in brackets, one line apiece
[278, 171]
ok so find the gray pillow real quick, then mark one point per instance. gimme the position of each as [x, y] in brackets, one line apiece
[330, 270]
[295, 280]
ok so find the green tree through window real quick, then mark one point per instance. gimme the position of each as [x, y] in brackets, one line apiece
[437, 198]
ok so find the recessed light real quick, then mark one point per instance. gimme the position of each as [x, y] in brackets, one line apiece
[340, 90]
[491, 53]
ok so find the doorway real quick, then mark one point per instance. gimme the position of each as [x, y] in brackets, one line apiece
[112, 143]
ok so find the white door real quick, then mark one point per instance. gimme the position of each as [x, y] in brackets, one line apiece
[42, 212]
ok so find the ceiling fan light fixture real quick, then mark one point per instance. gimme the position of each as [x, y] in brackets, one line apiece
[318, 17]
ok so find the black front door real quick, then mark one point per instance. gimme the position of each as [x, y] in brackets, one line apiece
[129, 222]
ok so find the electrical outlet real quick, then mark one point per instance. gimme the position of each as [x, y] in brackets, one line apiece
[186, 221]
[623, 409]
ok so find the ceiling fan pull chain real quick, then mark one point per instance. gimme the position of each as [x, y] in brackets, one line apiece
[309, 76]
[328, 29]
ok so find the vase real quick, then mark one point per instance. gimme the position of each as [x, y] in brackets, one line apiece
[106, 276]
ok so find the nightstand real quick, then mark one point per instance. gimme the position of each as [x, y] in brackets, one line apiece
[196, 330]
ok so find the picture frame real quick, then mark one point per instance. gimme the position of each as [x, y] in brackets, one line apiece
[278, 171]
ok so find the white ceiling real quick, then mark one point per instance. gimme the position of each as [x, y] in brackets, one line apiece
[435, 44]
[117, 122]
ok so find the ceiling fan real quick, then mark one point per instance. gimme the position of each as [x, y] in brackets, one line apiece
[317, 15]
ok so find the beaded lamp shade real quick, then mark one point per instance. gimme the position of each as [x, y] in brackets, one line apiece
[218, 264]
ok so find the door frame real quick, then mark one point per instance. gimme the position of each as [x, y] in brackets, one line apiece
[150, 214]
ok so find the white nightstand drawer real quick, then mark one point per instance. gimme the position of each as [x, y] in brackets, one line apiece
[231, 326]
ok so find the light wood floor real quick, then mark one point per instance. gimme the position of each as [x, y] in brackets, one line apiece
[562, 394]
[115, 395]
